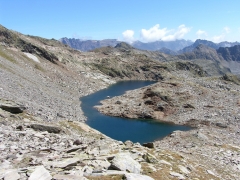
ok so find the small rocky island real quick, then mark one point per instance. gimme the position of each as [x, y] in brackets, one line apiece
[43, 131]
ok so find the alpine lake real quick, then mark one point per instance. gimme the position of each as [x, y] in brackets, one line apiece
[122, 129]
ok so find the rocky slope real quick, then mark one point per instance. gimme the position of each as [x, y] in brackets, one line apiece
[42, 134]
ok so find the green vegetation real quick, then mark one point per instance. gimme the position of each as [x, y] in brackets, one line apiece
[231, 78]
[6, 56]
[39, 67]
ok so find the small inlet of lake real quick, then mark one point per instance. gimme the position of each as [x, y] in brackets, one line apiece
[122, 129]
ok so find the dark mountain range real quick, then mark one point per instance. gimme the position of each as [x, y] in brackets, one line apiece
[209, 44]
[201, 52]
[88, 45]
[230, 53]
[223, 58]
[206, 52]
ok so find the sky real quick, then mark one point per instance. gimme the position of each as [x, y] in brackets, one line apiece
[125, 20]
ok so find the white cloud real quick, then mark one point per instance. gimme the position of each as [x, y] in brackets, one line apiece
[226, 29]
[219, 38]
[200, 33]
[128, 36]
[155, 33]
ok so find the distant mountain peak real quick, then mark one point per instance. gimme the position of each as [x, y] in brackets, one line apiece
[123, 45]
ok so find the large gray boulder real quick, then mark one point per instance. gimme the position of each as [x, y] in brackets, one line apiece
[124, 162]
[40, 173]
[11, 107]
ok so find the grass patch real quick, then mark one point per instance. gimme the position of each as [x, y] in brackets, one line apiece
[6, 56]
[38, 67]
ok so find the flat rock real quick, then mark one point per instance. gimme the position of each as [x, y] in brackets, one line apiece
[124, 162]
[131, 176]
[183, 169]
[66, 162]
[40, 173]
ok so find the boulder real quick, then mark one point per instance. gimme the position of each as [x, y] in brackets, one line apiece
[77, 142]
[12, 108]
[150, 158]
[221, 125]
[128, 143]
[149, 145]
[50, 129]
[124, 162]
[40, 173]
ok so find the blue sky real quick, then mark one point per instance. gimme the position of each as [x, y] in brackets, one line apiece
[129, 20]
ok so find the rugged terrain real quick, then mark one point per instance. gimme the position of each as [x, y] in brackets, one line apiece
[43, 133]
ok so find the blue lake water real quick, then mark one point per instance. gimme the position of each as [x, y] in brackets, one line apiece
[136, 130]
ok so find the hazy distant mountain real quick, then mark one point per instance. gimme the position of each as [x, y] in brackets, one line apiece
[167, 51]
[209, 44]
[153, 46]
[87, 45]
